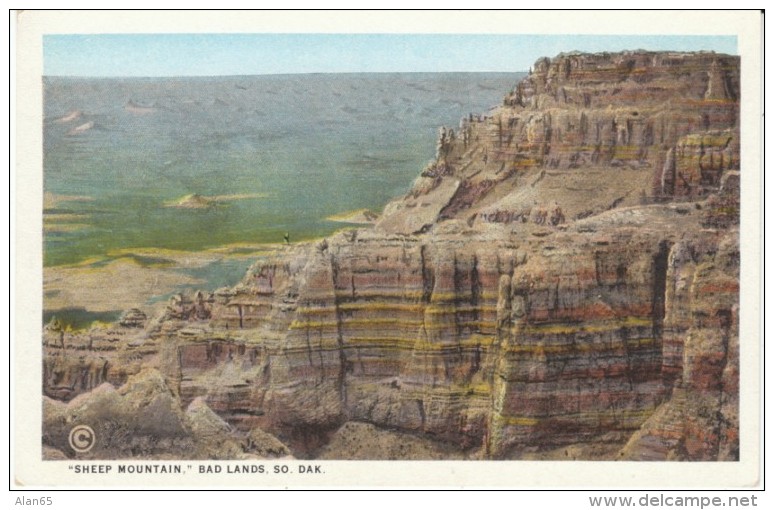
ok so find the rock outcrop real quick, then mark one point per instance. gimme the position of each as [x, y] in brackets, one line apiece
[563, 277]
[144, 418]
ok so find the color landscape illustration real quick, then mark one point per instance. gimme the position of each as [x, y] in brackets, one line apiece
[537, 262]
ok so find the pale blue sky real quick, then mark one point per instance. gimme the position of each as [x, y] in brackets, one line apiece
[249, 54]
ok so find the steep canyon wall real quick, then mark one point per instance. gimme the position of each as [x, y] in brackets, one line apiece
[564, 272]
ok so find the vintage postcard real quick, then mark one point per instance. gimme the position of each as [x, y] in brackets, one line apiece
[306, 249]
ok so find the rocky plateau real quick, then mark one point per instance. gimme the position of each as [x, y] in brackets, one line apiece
[560, 282]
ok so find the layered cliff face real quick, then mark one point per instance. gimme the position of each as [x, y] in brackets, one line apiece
[667, 122]
[565, 272]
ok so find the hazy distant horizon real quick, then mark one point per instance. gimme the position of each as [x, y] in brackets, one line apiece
[282, 147]
[225, 76]
[210, 55]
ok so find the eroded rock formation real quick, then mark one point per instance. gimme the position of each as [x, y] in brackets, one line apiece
[565, 272]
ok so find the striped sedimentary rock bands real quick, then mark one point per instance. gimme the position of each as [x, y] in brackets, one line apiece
[548, 279]
[565, 271]
[490, 344]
